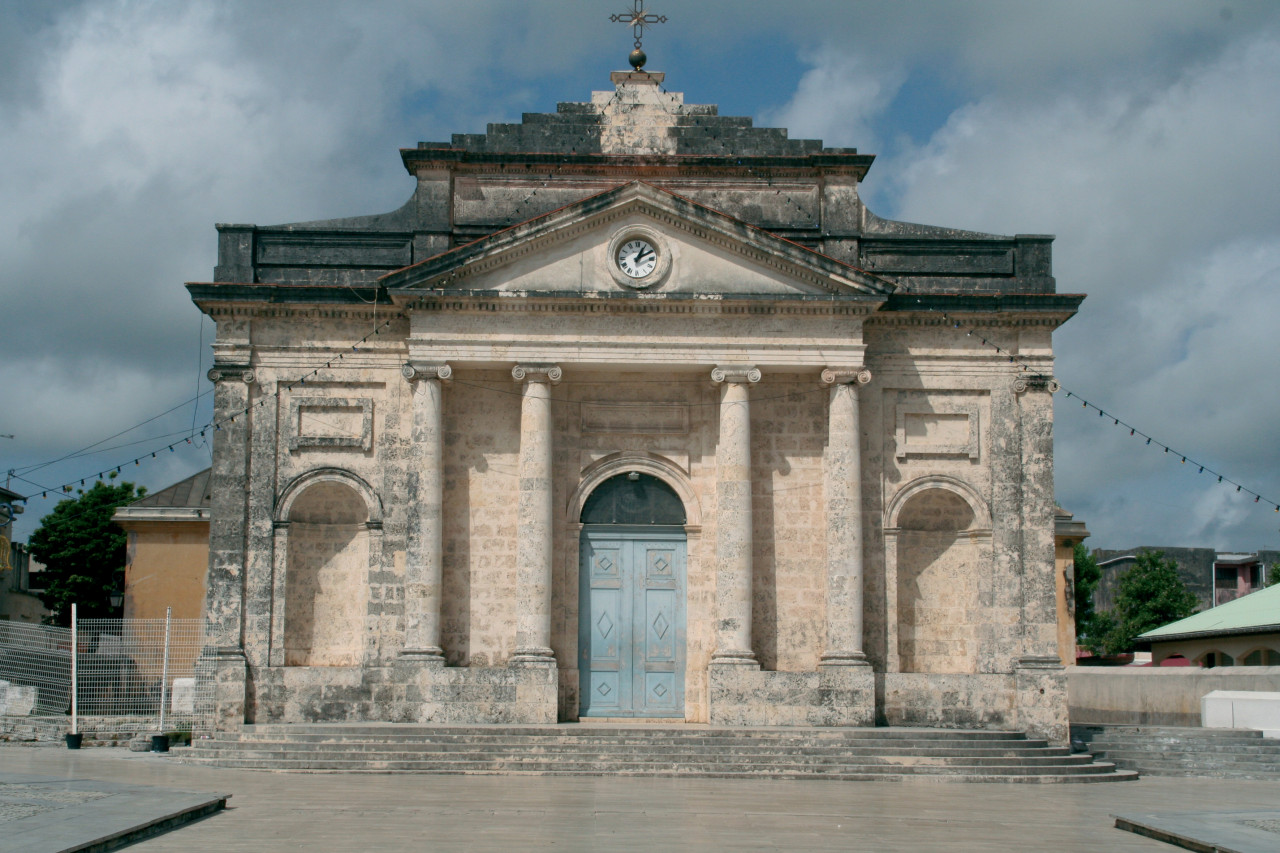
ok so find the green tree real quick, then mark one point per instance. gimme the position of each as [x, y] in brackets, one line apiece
[83, 551]
[1087, 575]
[1148, 595]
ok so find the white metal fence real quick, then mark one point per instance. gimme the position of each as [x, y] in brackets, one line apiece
[130, 676]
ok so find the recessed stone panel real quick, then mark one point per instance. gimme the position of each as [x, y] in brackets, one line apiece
[636, 418]
[940, 429]
[331, 422]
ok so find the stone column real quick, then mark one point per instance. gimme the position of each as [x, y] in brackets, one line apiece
[422, 589]
[535, 514]
[223, 653]
[734, 538]
[842, 473]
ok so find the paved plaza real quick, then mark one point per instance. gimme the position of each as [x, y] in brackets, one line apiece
[361, 812]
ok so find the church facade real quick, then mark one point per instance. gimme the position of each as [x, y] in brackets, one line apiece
[633, 411]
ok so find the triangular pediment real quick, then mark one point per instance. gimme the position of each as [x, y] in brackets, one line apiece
[692, 251]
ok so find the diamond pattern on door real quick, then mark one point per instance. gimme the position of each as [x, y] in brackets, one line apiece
[632, 634]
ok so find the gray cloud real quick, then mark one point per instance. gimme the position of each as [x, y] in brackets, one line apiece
[1139, 133]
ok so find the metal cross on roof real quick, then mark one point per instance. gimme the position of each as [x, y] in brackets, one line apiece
[637, 19]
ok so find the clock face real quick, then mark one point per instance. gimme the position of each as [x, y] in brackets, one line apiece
[637, 258]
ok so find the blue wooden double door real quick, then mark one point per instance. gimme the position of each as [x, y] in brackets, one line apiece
[631, 633]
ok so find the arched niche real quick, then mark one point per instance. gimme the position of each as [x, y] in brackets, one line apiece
[937, 550]
[327, 538]
[291, 492]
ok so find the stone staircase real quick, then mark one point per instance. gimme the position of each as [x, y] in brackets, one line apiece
[651, 750]
[1175, 751]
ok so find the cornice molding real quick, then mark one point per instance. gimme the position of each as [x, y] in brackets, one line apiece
[522, 302]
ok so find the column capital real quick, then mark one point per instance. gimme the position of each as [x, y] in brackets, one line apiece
[229, 372]
[846, 376]
[537, 373]
[415, 370]
[1036, 382]
[735, 373]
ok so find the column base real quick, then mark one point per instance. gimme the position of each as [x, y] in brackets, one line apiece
[534, 655]
[430, 656]
[229, 670]
[844, 658]
[735, 657]
[1041, 685]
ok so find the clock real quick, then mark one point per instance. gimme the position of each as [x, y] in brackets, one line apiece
[637, 257]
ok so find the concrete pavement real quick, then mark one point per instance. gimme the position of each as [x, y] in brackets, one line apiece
[364, 812]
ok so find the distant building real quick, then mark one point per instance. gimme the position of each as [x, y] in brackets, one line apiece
[168, 551]
[1215, 577]
[1067, 533]
[1241, 632]
[18, 603]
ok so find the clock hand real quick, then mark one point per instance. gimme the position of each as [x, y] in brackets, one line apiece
[640, 255]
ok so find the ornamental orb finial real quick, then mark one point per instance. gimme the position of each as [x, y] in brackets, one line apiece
[637, 59]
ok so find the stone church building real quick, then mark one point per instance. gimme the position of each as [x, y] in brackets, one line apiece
[659, 421]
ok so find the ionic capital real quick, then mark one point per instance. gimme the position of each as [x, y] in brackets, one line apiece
[414, 371]
[229, 372]
[550, 373]
[846, 376]
[1036, 382]
[739, 374]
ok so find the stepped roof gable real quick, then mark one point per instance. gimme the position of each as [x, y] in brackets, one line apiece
[569, 252]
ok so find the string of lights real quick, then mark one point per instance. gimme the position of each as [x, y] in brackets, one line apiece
[1201, 468]
[215, 425]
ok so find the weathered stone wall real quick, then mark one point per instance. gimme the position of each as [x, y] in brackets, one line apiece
[788, 434]
[481, 452]
[969, 701]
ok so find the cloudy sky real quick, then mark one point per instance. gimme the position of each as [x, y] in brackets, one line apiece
[1143, 134]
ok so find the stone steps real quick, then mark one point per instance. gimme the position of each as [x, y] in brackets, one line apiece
[696, 751]
[1169, 751]
[359, 747]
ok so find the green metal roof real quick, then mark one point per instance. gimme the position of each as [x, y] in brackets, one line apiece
[1254, 613]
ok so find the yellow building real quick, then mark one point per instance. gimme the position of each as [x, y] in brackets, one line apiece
[168, 552]
[1067, 533]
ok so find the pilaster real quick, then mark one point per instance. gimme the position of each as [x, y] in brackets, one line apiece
[228, 528]
[229, 487]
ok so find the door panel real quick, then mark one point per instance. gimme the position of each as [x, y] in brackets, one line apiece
[632, 631]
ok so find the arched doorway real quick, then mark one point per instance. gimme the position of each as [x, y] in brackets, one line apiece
[631, 604]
